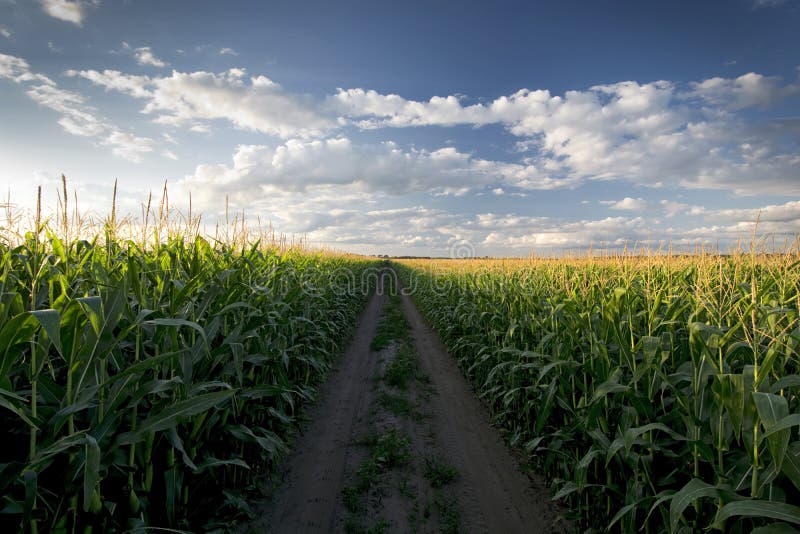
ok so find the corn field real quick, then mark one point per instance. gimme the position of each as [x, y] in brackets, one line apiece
[155, 385]
[655, 394]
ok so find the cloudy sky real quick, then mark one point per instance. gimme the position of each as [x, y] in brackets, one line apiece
[424, 127]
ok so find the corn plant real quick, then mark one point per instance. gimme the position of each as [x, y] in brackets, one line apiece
[660, 390]
[154, 383]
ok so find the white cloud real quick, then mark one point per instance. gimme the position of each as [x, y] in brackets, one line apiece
[5, 32]
[424, 230]
[127, 145]
[653, 134]
[144, 56]
[299, 165]
[378, 110]
[73, 11]
[672, 208]
[777, 213]
[257, 103]
[228, 52]
[550, 233]
[132, 85]
[747, 91]
[649, 134]
[627, 203]
[76, 116]
[17, 69]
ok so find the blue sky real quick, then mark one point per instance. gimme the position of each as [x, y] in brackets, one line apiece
[424, 128]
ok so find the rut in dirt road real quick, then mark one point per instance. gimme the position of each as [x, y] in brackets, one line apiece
[399, 443]
[495, 495]
[312, 480]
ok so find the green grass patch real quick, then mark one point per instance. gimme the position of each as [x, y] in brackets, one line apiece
[449, 513]
[393, 325]
[353, 499]
[438, 472]
[398, 405]
[402, 369]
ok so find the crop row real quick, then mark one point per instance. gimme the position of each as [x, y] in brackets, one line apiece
[655, 394]
[155, 386]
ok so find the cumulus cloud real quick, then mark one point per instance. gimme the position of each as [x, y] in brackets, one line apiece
[256, 103]
[657, 134]
[127, 145]
[747, 91]
[300, 165]
[144, 55]
[627, 204]
[73, 11]
[5, 32]
[228, 52]
[424, 230]
[652, 134]
[377, 110]
[779, 213]
[672, 208]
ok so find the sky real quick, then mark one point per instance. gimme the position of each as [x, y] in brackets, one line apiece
[418, 128]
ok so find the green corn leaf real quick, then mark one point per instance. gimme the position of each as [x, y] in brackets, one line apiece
[166, 321]
[622, 512]
[93, 307]
[758, 508]
[211, 463]
[686, 496]
[567, 489]
[177, 443]
[50, 322]
[46, 454]
[91, 471]
[771, 409]
[30, 478]
[785, 382]
[775, 528]
[176, 414]
[791, 464]
[18, 329]
[16, 404]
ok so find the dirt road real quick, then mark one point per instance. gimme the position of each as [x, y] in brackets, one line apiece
[398, 443]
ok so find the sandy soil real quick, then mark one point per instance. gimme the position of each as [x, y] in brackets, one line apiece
[489, 494]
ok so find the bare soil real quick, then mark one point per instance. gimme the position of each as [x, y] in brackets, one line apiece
[322, 489]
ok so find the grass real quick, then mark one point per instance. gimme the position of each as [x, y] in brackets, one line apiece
[402, 369]
[400, 406]
[393, 326]
[438, 472]
[388, 450]
[449, 514]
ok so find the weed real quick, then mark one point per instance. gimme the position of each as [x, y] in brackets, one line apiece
[438, 472]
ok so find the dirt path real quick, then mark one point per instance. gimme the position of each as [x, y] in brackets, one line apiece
[398, 443]
[313, 476]
[495, 494]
